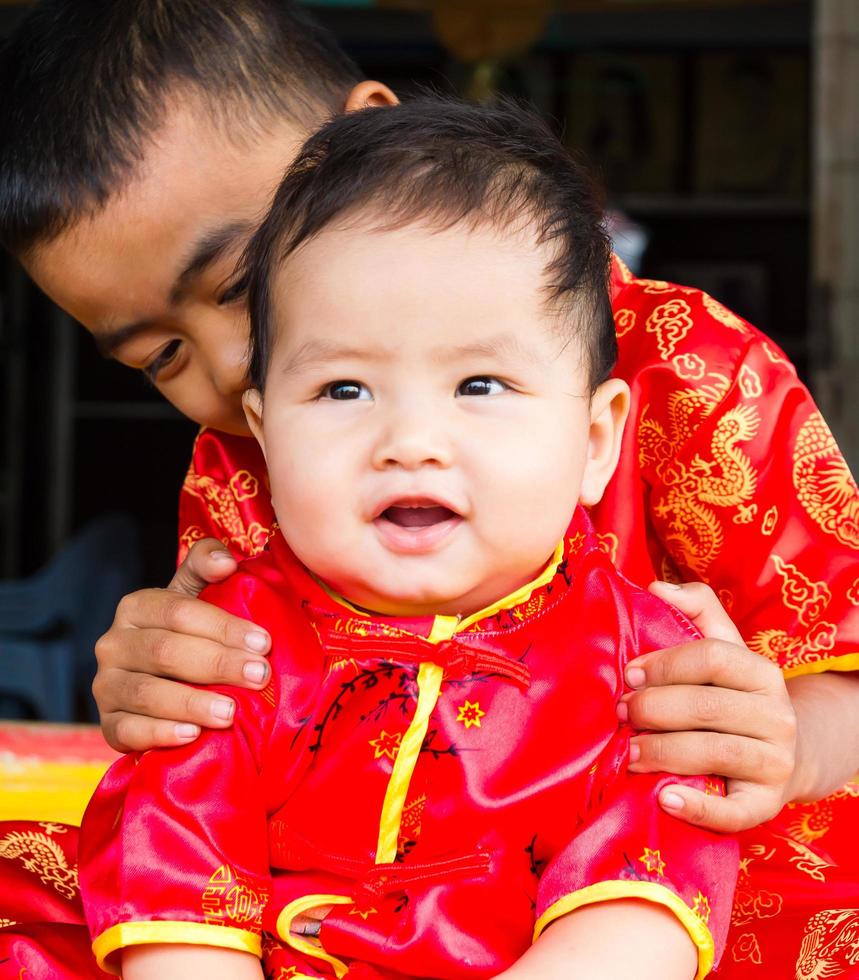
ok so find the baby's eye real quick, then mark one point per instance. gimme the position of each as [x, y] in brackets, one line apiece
[162, 359]
[346, 391]
[481, 386]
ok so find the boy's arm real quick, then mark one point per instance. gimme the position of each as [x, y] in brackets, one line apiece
[181, 962]
[612, 941]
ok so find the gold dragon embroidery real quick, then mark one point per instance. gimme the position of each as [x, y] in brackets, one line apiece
[823, 482]
[43, 857]
[222, 503]
[814, 635]
[830, 945]
[692, 492]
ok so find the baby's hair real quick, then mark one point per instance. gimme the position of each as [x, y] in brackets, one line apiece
[87, 83]
[443, 162]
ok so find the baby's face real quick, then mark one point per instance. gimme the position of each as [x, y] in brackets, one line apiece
[426, 422]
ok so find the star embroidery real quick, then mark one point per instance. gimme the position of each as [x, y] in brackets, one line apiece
[386, 745]
[744, 866]
[364, 913]
[701, 907]
[652, 860]
[470, 714]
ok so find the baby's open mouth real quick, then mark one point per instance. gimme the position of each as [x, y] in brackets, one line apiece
[417, 515]
[416, 525]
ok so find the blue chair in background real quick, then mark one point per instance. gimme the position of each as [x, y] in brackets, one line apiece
[49, 623]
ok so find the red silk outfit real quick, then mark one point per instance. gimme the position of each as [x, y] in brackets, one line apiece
[450, 787]
[728, 474]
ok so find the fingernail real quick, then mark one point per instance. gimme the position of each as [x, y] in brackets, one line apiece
[256, 641]
[221, 555]
[223, 709]
[255, 672]
[184, 730]
[674, 586]
[623, 711]
[635, 676]
[634, 752]
[671, 801]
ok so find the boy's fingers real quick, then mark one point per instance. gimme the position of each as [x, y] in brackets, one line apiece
[189, 659]
[208, 561]
[697, 753]
[706, 661]
[136, 733]
[684, 708]
[158, 699]
[730, 814]
[701, 605]
[163, 609]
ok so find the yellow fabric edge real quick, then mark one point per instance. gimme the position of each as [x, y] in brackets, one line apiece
[848, 661]
[522, 594]
[125, 934]
[649, 891]
[429, 684]
[314, 950]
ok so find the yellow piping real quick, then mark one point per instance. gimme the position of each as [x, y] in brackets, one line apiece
[846, 662]
[429, 683]
[649, 891]
[308, 946]
[174, 933]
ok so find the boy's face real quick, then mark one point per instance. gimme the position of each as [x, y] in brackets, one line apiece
[151, 275]
[427, 424]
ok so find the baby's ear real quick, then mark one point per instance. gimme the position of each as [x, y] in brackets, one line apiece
[609, 409]
[252, 404]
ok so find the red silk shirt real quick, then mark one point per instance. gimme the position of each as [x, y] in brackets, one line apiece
[449, 787]
[728, 474]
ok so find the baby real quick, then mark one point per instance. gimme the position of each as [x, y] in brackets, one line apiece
[434, 783]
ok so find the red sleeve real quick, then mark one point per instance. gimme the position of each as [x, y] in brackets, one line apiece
[630, 848]
[728, 474]
[225, 495]
[174, 842]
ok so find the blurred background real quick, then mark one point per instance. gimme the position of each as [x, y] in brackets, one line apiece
[726, 133]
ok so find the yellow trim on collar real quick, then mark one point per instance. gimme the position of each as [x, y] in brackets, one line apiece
[846, 662]
[429, 684]
[311, 947]
[522, 594]
[649, 891]
[125, 934]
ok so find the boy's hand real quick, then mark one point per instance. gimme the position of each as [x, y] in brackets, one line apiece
[712, 706]
[169, 633]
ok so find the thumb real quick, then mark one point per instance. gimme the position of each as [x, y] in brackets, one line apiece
[699, 603]
[207, 562]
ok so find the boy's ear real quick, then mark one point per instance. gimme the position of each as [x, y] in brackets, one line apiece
[252, 404]
[609, 409]
[369, 94]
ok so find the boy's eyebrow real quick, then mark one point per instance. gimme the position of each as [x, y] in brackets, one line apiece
[206, 250]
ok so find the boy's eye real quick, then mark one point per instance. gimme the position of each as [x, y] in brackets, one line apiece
[346, 391]
[235, 291]
[481, 386]
[162, 359]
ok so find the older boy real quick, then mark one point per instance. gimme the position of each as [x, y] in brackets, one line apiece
[141, 143]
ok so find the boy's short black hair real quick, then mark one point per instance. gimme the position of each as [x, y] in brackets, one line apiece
[444, 162]
[85, 85]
